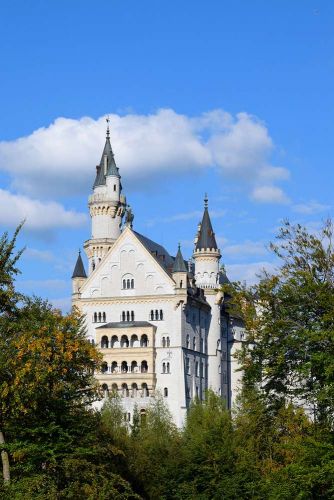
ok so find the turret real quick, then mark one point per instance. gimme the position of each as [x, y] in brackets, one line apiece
[206, 254]
[106, 206]
[180, 272]
[78, 277]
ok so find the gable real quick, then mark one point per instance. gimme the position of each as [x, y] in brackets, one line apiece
[128, 269]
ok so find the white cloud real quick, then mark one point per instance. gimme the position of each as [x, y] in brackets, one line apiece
[39, 216]
[269, 194]
[34, 253]
[248, 272]
[311, 208]
[60, 159]
[245, 249]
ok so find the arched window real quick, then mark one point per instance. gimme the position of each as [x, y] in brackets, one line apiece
[114, 388]
[143, 341]
[181, 283]
[156, 315]
[163, 367]
[197, 369]
[124, 367]
[152, 315]
[163, 342]
[132, 315]
[188, 341]
[100, 318]
[134, 341]
[165, 392]
[134, 366]
[128, 283]
[104, 342]
[125, 390]
[114, 187]
[104, 317]
[187, 366]
[95, 317]
[124, 284]
[132, 283]
[123, 316]
[134, 390]
[127, 315]
[104, 367]
[161, 314]
[142, 416]
[114, 367]
[105, 389]
[114, 340]
[145, 392]
[167, 341]
[194, 343]
[144, 367]
[124, 341]
[168, 368]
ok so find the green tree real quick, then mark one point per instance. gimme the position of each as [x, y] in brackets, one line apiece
[289, 318]
[207, 453]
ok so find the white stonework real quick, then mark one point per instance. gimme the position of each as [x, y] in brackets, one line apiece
[159, 322]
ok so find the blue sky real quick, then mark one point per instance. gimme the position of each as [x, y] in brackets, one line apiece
[230, 98]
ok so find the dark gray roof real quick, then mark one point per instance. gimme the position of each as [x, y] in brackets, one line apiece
[126, 324]
[159, 252]
[206, 238]
[112, 169]
[79, 270]
[179, 264]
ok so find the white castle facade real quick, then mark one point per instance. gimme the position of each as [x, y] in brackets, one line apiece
[160, 322]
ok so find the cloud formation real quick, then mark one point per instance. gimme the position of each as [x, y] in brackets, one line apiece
[60, 159]
[39, 216]
[269, 194]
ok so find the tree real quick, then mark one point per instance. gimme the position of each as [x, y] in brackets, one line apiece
[289, 318]
[46, 381]
[207, 453]
[8, 305]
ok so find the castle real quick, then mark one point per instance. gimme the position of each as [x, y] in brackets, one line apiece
[159, 321]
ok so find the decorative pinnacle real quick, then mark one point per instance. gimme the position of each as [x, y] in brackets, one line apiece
[206, 200]
[108, 131]
[79, 251]
[179, 246]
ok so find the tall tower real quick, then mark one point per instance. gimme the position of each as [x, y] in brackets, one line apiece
[206, 257]
[106, 207]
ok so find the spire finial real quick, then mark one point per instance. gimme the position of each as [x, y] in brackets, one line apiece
[179, 246]
[79, 251]
[108, 131]
[206, 200]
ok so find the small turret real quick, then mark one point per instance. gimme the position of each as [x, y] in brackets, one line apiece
[106, 206]
[206, 254]
[78, 277]
[180, 271]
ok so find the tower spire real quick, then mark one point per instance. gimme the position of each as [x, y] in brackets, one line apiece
[108, 130]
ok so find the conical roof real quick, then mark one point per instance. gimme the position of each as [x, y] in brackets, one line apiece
[206, 237]
[179, 264]
[112, 169]
[79, 270]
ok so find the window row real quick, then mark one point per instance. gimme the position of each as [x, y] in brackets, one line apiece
[99, 317]
[125, 391]
[124, 341]
[125, 367]
[156, 315]
[194, 343]
[166, 367]
[128, 284]
[165, 342]
[128, 316]
[199, 368]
